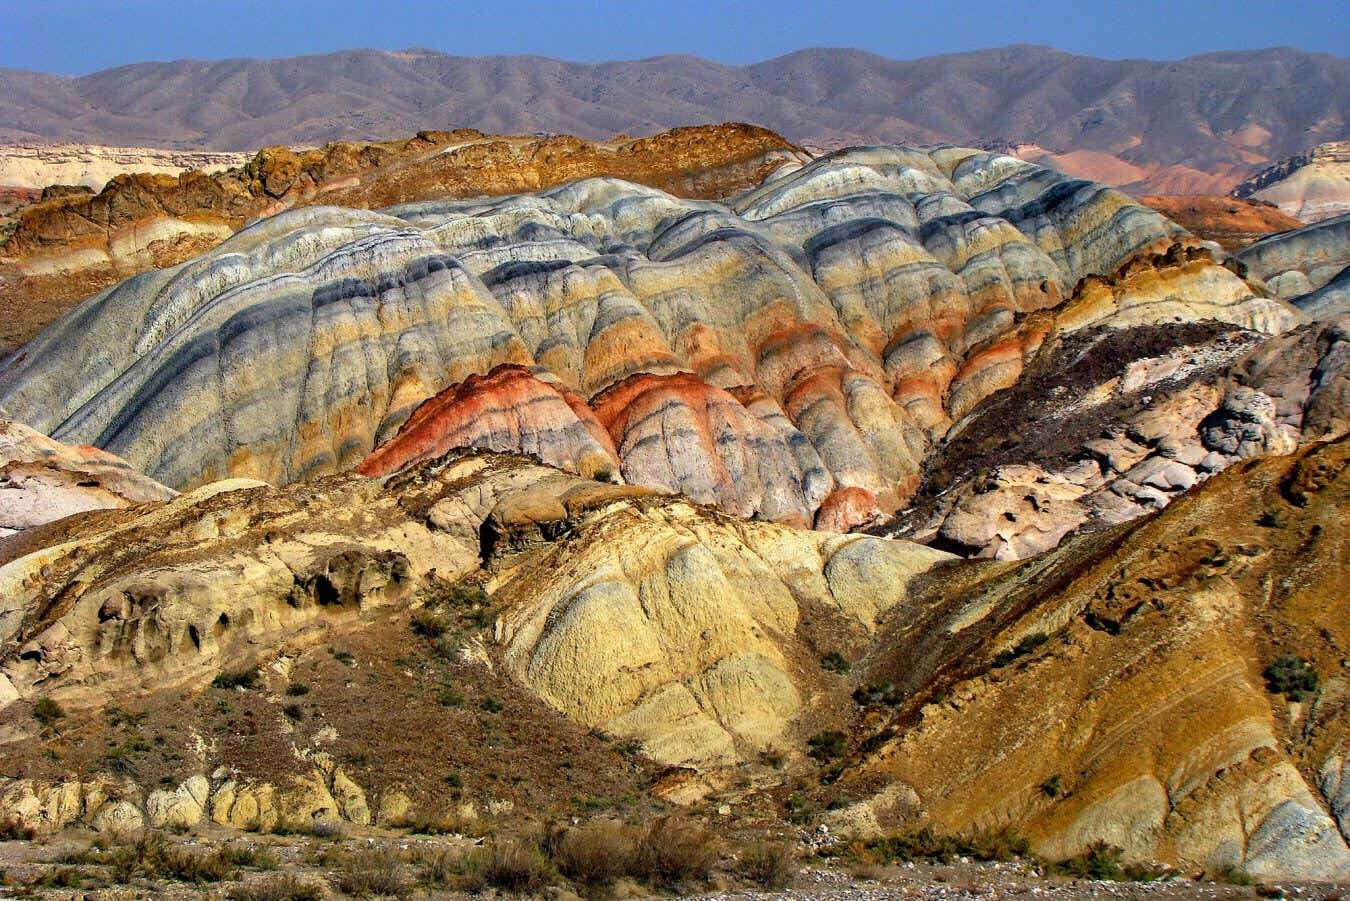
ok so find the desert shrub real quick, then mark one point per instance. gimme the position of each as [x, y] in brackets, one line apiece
[1292, 676]
[604, 475]
[672, 851]
[491, 705]
[440, 867]
[1028, 644]
[598, 852]
[1273, 519]
[926, 845]
[376, 871]
[835, 662]
[449, 696]
[431, 623]
[12, 830]
[770, 865]
[242, 679]
[152, 856]
[826, 745]
[46, 711]
[1233, 876]
[1105, 862]
[249, 857]
[1052, 787]
[294, 712]
[278, 888]
[297, 689]
[506, 864]
[61, 877]
[346, 658]
[773, 757]
[885, 693]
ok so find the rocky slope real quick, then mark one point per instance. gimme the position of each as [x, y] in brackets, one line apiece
[42, 481]
[39, 165]
[1311, 186]
[1230, 222]
[1195, 125]
[1111, 424]
[70, 245]
[790, 354]
[1307, 267]
[700, 637]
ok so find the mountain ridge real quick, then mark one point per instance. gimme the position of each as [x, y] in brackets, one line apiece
[1225, 113]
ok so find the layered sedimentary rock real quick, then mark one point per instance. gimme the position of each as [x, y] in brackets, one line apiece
[699, 637]
[1108, 425]
[42, 480]
[1230, 222]
[1111, 690]
[811, 337]
[1310, 186]
[93, 166]
[1294, 265]
[65, 248]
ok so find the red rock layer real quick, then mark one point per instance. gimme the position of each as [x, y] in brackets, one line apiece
[509, 409]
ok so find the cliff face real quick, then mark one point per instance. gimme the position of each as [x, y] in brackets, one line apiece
[66, 248]
[815, 336]
[1310, 186]
[93, 166]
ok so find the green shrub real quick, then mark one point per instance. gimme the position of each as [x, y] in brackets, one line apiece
[926, 845]
[294, 712]
[243, 679]
[1105, 862]
[431, 623]
[827, 745]
[835, 662]
[1291, 676]
[1052, 787]
[46, 711]
[491, 705]
[885, 693]
[297, 689]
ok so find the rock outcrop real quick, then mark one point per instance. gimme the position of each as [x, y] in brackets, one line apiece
[42, 480]
[1230, 222]
[1123, 668]
[1300, 265]
[814, 336]
[93, 166]
[65, 248]
[1310, 186]
[1110, 425]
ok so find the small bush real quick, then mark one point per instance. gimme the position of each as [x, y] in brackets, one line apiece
[12, 830]
[885, 693]
[346, 658]
[449, 696]
[431, 623]
[835, 662]
[1052, 787]
[1291, 676]
[378, 871]
[491, 705]
[506, 864]
[827, 745]
[1104, 862]
[673, 851]
[62, 877]
[440, 867]
[243, 679]
[152, 856]
[1028, 644]
[773, 757]
[1273, 519]
[770, 865]
[297, 689]
[926, 845]
[598, 852]
[249, 857]
[278, 888]
[46, 711]
[293, 712]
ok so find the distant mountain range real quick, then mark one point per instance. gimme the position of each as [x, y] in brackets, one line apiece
[1203, 123]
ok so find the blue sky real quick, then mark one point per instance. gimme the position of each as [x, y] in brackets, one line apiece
[79, 36]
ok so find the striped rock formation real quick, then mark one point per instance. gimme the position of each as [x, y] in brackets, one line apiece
[42, 480]
[1307, 267]
[813, 335]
